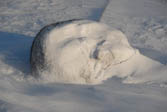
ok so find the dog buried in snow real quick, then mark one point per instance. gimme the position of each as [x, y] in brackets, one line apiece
[80, 51]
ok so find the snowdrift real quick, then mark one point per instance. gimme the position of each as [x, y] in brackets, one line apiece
[86, 52]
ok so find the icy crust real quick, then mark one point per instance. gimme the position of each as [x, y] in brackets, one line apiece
[79, 51]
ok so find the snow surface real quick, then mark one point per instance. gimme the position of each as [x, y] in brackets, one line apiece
[144, 22]
[29, 16]
[145, 28]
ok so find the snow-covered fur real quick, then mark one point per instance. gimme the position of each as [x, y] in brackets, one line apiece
[78, 51]
[37, 54]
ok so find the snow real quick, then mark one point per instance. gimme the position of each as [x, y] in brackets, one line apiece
[29, 16]
[142, 21]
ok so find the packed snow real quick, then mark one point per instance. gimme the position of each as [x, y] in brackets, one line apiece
[137, 84]
[29, 16]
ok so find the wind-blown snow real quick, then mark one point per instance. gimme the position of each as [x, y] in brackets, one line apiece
[142, 21]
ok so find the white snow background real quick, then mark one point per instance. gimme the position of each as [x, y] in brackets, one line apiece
[144, 22]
